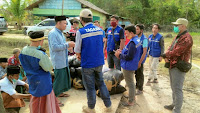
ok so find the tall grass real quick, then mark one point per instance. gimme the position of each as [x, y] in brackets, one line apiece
[8, 44]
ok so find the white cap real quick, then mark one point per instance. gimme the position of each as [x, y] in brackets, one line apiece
[86, 13]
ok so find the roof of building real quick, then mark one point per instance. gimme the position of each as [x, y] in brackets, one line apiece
[84, 2]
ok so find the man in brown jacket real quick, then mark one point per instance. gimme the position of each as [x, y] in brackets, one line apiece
[180, 49]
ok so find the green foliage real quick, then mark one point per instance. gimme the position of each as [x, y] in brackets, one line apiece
[150, 11]
[14, 10]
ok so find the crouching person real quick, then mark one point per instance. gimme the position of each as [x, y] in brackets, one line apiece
[37, 66]
[12, 100]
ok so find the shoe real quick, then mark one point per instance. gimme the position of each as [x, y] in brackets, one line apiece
[108, 110]
[169, 107]
[139, 92]
[155, 81]
[88, 110]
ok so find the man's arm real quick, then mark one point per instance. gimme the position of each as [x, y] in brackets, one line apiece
[54, 45]
[122, 40]
[78, 45]
[20, 96]
[162, 47]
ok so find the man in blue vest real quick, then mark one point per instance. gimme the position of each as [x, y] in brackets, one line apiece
[129, 58]
[115, 40]
[89, 49]
[156, 48]
[139, 76]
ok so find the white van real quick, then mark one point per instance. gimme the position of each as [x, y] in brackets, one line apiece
[46, 26]
[3, 25]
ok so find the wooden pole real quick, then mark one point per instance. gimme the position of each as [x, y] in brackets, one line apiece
[62, 6]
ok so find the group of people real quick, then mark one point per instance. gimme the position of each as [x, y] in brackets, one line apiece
[89, 46]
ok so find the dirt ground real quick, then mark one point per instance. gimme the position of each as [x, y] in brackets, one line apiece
[157, 95]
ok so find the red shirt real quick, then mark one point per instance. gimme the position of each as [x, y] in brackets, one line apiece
[13, 61]
[181, 50]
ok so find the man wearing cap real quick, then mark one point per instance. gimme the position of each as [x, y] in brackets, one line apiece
[12, 100]
[3, 65]
[180, 49]
[89, 49]
[38, 66]
[59, 56]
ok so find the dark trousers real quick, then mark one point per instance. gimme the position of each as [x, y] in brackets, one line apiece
[139, 76]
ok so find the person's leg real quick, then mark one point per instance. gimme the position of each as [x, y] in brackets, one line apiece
[140, 78]
[171, 106]
[154, 68]
[128, 75]
[110, 60]
[177, 83]
[116, 62]
[88, 77]
[137, 78]
[2, 109]
[150, 68]
[102, 87]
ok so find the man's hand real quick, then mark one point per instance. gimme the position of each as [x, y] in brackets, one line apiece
[26, 86]
[71, 44]
[166, 60]
[160, 59]
[78, 55]
[117, 53]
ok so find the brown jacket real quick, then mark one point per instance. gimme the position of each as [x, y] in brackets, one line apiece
[181, 50]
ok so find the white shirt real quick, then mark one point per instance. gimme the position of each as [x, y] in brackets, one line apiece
[7, 87]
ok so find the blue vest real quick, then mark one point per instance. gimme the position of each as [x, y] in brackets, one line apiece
[132, 65]
[154, 45]
[92, 46]
[110, 41]
[40, 82]
[141, 40]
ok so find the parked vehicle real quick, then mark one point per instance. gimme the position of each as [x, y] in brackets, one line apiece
[46, 26]
[3, 25]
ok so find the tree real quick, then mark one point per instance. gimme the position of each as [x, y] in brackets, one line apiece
[15, 11]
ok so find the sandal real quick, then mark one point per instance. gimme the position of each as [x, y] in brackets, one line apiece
[64, 95]
[60, 104]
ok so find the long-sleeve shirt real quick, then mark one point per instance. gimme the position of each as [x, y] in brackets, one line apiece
[130, 54]
[180, 49]
[58, 49]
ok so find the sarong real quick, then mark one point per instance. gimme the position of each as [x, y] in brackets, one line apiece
[44, 104]
[62, 81]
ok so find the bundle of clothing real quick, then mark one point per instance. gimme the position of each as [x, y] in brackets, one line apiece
[112, 79]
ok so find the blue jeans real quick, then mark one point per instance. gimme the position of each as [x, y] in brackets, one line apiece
[90, 76]
[113, 60]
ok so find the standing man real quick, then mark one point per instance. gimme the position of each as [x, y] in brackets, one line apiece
[180, 49]
[129, 57]
[59, 57]
[38, 66]
[139, 76]
[74, 29]
[89, 49]
[115, 40]
[156, 46]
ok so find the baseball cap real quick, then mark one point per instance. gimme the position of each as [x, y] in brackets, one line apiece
[86, 13]
[180, 21]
